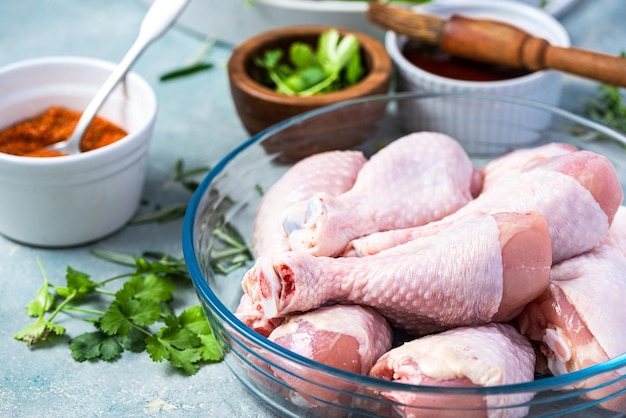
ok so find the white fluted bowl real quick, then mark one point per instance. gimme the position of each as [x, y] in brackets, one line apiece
[73, 200]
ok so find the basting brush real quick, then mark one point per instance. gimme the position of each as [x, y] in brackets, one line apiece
[495, 42]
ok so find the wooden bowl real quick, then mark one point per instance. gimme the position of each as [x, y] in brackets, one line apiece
[260, 107]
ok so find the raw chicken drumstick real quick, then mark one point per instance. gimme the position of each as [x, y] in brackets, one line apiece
[577, 193]
[332, 172]
[580, 319]
[488, 355]
[412, 181]
[251, 314]
[348, 337]
[483, 269]
[617, 234]
[520, 160]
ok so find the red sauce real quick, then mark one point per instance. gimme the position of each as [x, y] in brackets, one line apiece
[434, 60]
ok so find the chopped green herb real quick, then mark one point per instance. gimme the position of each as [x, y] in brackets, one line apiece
[334, 65]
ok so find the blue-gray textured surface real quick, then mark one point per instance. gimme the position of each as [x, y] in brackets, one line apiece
[196, 123]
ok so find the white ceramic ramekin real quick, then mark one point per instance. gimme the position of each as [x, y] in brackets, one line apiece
[77, 199]
[542, 86]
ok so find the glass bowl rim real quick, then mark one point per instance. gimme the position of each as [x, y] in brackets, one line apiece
[207, 295]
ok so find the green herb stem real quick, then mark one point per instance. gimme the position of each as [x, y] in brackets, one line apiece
[62, 305]
[84, 310]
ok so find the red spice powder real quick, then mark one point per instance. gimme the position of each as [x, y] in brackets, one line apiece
[29, 137]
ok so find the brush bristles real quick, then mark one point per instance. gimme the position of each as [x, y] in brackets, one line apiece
[423, 27]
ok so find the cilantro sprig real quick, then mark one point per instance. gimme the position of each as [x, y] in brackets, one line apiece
[138, 317]
[334, 65]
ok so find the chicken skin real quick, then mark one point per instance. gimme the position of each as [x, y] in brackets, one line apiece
[487, 355]
[486, 268]
[425, 167]
[578, 193]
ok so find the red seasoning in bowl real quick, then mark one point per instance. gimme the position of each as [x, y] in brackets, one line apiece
[30, 137]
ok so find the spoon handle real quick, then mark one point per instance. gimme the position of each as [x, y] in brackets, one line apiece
[504, 44]
[161, 15]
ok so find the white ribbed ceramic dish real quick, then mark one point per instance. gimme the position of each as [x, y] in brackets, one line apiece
[72, 200]
[542, 86]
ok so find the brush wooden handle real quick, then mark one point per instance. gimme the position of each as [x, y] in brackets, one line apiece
[500, 43]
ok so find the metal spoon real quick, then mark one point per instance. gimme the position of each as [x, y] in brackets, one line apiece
[160, 16]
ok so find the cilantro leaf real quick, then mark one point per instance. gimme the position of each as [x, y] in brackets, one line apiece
[78, 283]
[134, 341]
[194, 320]
[114, 321]
[177, 335]
[327, 49]
[175, 344]
[149, 287]
[184, 341]
[95, 345]
[185, 360]
[38, 331]
[122, 316]
[210, 348]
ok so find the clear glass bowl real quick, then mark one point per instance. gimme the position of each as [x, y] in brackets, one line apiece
[230, 194]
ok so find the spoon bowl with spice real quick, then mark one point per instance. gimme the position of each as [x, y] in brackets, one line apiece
[72, 200]
[160, 16]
